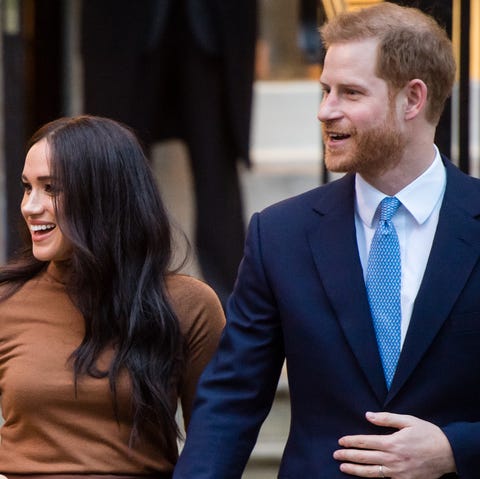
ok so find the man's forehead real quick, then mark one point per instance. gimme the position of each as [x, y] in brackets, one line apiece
[354, 59]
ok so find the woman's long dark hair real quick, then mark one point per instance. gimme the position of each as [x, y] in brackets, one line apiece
[110, 210]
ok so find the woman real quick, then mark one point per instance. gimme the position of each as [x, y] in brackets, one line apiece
[98, 338]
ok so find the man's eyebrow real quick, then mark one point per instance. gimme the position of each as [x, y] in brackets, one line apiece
[345, 85]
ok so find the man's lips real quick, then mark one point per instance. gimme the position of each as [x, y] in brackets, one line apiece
[333, 141]
[336, 136]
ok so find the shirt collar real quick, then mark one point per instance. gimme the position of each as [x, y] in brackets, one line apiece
[419, 197]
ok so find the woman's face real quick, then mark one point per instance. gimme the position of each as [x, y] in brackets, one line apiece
[48, 241]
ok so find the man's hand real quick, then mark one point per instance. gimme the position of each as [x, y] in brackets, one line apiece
[418, 450]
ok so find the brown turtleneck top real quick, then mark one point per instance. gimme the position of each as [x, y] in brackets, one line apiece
[48, 428]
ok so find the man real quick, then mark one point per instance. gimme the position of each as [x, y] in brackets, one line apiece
[384, 372]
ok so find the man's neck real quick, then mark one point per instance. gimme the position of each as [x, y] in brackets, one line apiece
[408, 169]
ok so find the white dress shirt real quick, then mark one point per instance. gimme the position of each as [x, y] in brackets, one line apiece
[415, 221]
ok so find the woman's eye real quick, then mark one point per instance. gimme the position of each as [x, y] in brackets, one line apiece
[50, 189]
[27, 187]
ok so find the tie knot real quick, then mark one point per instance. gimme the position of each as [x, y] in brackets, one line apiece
[388, 207]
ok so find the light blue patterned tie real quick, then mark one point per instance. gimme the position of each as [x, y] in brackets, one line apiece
[383, 287]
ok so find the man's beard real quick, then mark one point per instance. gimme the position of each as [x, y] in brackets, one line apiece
[373, 152]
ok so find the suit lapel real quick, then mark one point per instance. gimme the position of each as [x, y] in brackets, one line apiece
[455, 251]
[333, 244]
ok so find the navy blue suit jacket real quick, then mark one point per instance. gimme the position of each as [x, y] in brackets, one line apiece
[300, 296]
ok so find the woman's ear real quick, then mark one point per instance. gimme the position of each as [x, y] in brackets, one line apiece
[415, 98]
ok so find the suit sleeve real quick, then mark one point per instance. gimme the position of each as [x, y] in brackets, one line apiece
[237, 388]
[464, 438]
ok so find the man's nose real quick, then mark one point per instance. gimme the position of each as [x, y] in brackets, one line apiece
[329, 108]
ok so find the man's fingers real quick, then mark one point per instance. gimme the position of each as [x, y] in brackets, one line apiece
[388, 419]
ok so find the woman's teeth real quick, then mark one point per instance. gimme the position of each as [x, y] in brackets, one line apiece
[41, 227]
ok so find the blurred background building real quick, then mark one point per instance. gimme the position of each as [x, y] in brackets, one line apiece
[42, 78]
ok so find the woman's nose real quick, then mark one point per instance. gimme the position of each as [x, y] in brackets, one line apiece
[32, 203]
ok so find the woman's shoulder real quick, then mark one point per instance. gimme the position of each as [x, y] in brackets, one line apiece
[45, 279]
[186, 289]
[193, 300]
[40, 292]
[5, 288]
[14, 289]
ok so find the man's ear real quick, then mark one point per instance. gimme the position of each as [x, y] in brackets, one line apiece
[415, 98]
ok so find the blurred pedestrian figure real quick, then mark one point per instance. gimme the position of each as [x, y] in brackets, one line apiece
[182, 69]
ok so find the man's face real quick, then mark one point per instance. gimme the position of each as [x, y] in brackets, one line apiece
[361, 129]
